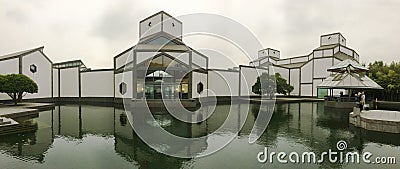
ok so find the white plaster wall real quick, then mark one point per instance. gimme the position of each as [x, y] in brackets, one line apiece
[306, 90]
[294, 81]
[342, 40]
[10, 66]
[197, 78]
[142, 56]
[306, 73]
[146, 30]
[335, 50]
[299, 59]
[346, 51]
[274, 53]
[329, 39]
[317, 54]
[69, 82]
[263, 53]
[97, 84]
[43, 75]
[199, 60]
[248, 78]
[124, 59]
[4, 96]
[320, 67]
[282, 62]
[261, 62]
[328, 52]
[127, 78]
[223, 83]
[336, 61]
[55, 82]
[172, 26]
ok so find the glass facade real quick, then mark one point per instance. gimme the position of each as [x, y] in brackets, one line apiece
[162, 77]
[162, 85]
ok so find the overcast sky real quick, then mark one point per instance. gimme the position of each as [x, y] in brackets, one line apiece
[97, 30]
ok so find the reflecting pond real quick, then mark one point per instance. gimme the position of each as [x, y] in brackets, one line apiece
[84, 136]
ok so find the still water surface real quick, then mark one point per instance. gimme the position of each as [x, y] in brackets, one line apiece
[83, 136]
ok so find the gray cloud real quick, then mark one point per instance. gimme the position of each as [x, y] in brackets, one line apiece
[118, 21]
[97, 30]
[16, 15]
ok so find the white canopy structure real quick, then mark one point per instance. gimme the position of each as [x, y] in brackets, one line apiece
[347, 65]
[347, 75]
[348, 81]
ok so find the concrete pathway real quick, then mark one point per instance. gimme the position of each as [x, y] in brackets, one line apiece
[384, 115]
[23, 109]
[288, 100]
[376, 120]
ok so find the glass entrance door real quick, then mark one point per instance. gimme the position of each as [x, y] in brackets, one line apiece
[165, 91]
[157, 91]
[149, 91]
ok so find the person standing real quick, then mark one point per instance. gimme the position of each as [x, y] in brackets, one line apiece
[362, 101]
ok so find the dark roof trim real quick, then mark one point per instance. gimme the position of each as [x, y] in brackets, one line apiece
[224, 70]
[23, 53]
[167, 55]
[295, 57]
[41, 51]
[254, 67]
[333, 34]
[161, 12]
[96, 70]
[66, 62]
[122, 53]
[149, 38]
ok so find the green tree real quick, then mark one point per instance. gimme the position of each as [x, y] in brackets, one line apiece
[387, 76]
[16, 86]
[265, 85]
[271, 84]
[282, 86]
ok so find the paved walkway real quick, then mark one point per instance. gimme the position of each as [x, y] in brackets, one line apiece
[288, 99]
[23, 109]
[384, 115]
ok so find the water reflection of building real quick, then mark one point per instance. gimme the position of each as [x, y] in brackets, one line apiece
[307, 124]
[74, 122]
[30, 144]
[132, 148]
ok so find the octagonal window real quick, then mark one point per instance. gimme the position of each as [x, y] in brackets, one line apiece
[200, 87]
[33, 68]
[122, 88]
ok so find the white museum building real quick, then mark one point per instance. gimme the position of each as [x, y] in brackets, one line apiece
[306, 72]
[161, 65]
